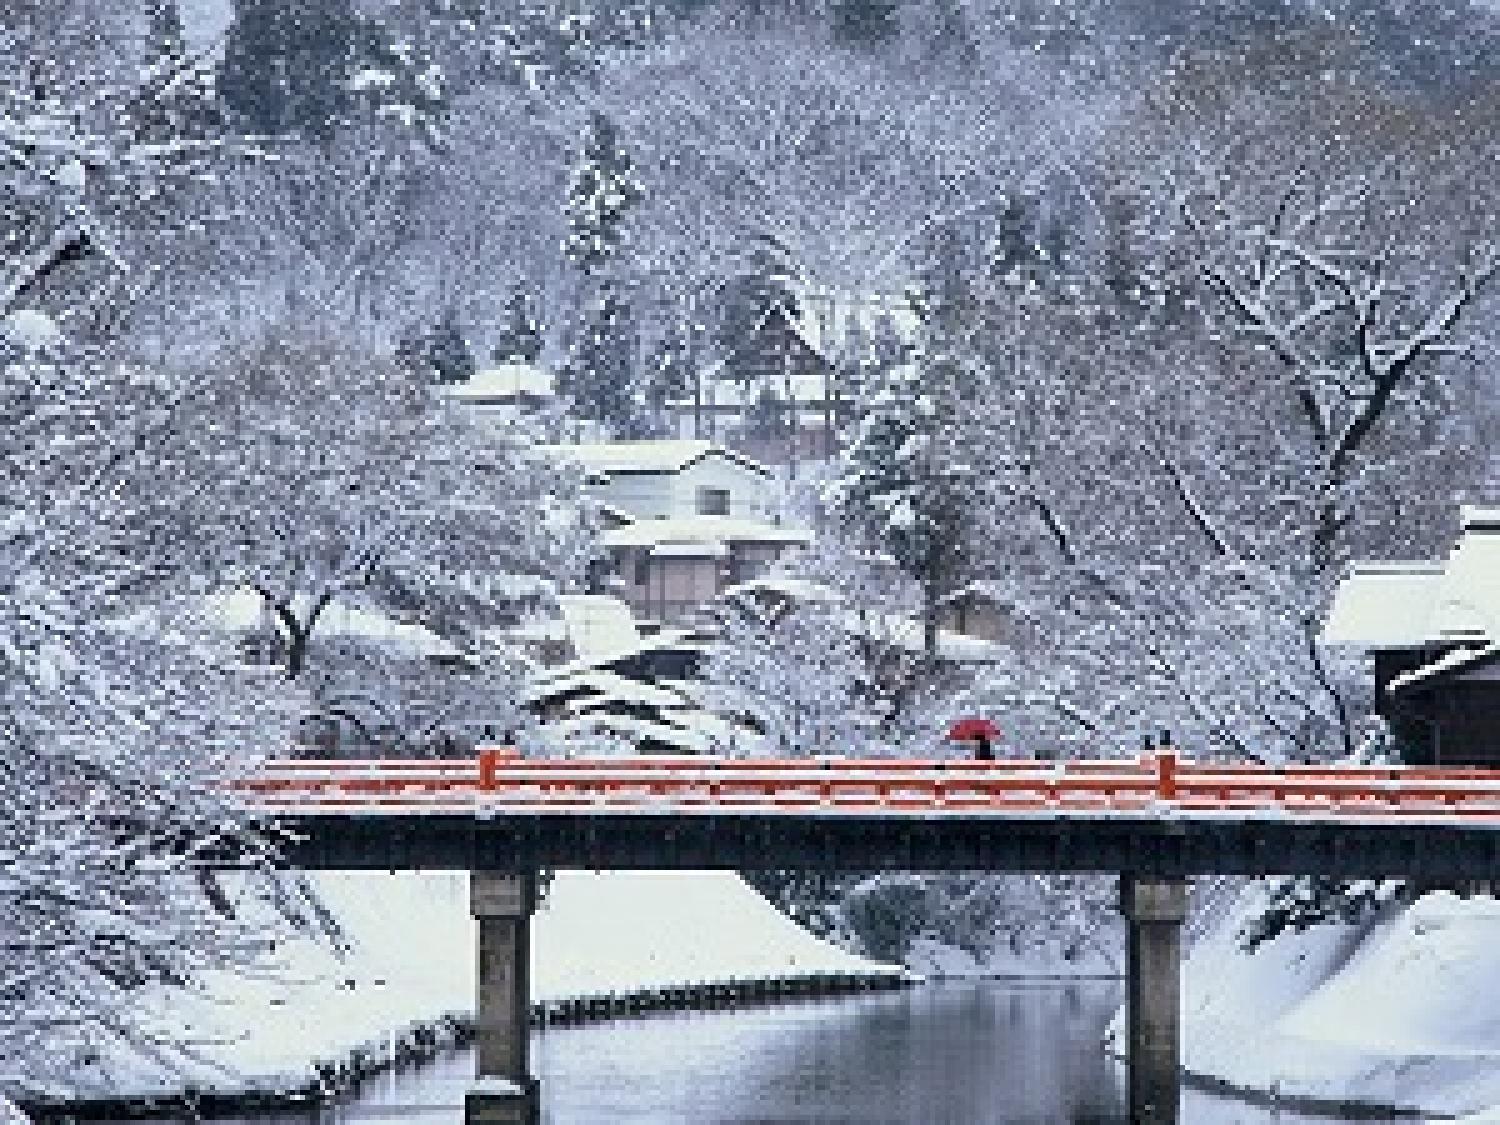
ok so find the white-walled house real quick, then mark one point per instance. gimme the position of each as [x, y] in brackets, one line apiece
[673, 479]
[686, 519]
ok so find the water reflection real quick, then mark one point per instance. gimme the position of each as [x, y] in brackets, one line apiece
[958, 1053]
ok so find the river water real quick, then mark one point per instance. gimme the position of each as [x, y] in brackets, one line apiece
[946, 1053]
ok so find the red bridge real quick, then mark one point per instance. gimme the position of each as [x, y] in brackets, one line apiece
[500, 780]
[1157, 821]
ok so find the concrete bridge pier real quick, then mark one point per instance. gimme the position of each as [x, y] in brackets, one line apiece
[1154, 910]
[504, 1092]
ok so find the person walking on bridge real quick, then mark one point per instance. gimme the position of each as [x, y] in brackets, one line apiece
[981, 732]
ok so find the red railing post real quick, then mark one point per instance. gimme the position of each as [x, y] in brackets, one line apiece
[1166, 774]
[489, 764]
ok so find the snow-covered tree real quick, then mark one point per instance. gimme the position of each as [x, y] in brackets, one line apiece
[602, 192]
[115, 739]
[796, 677]
[908, 484]
[598, 375]
[448, 352]
[1358, 315]
[520, 339]
[333, 475]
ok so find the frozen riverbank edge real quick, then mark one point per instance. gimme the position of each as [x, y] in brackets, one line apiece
[604, 945]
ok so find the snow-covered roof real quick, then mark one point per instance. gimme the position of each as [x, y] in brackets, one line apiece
[603, 685]
[648, 456]
[1399, 605]
[668, 640]
[502, 384]
[1384, 605]
[244, 611]
[597, 624]
[702, 529]
[1453, 663]
[637, 730]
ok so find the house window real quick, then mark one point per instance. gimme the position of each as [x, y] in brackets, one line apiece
[713, 501]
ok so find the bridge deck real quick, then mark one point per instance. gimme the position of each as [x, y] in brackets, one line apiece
[1157, 817]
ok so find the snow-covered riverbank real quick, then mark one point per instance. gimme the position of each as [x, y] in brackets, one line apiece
[1400, 1011]
[412, 963]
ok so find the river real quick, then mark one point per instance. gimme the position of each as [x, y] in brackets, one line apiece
[946, 1053]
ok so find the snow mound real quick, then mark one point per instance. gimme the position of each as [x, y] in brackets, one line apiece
[1403, 1010]
[413, 960]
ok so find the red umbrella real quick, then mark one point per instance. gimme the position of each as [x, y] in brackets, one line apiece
[973, 730]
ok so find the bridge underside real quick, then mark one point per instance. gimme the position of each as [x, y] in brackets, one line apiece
[1149, 846]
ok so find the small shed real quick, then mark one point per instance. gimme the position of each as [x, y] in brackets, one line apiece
[1433, 629]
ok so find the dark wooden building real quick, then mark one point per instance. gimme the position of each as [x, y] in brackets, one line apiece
[1433, 630]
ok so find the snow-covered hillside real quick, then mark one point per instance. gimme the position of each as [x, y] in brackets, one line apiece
[413, 961]
[1400, 1011]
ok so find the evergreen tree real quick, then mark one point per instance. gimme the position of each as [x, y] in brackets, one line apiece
[520, 334]
[287, 64]
[597, 373]
[865, 23]
[907, 484]
[448, 354]
[668, 377]
[601, 193]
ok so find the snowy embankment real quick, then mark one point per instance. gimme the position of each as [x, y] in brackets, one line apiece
[413, 962]
[1040, 960]
[1401, 1011]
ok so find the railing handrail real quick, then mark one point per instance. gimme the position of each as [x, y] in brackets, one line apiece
[1158, 782]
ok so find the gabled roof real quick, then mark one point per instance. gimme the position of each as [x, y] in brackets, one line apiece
[626, 457]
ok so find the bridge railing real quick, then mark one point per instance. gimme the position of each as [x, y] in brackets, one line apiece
[499, 777]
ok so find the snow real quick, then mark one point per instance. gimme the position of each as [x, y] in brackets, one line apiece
[413, 962]
[598, 625]
[702, 529]
[604, 685]
[906, 633]
[31, 331]
[1402, 1010]
[1411, 604]
[244, 611]
[502, 384]
[647, 456]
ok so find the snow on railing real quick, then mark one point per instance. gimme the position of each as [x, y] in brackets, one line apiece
[1159, 783]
